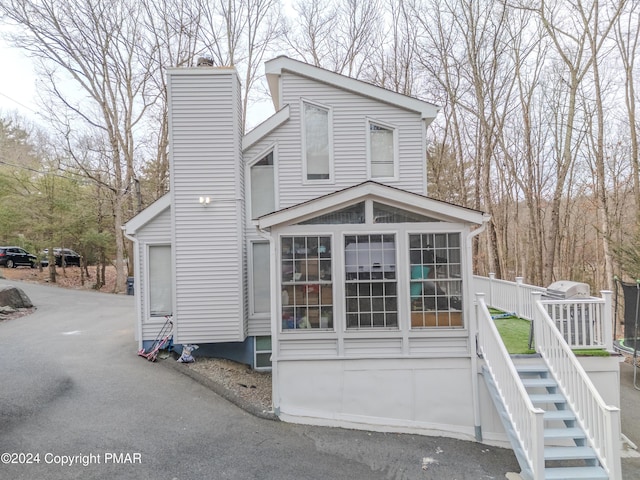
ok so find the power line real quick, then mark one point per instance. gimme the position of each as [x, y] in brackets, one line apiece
[24, 167]
[17, 102]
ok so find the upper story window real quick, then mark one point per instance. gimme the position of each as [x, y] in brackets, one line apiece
[263, 197]
[317, 142]
[381, 145]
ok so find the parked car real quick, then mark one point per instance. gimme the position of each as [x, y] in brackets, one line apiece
[66, 255]
[12, 257]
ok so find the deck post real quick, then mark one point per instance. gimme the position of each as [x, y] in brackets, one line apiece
[492, 277]
[607, 319]
[519, 281]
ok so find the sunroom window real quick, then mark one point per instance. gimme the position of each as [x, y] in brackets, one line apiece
[317, 142]
[435, 280]
[350, 215]
[370, 281]
[307, 288]
[387, 214]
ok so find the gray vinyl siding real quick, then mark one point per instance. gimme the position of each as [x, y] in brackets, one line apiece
[259, 327]
[349, 114]
[156, 232]
[206, 160]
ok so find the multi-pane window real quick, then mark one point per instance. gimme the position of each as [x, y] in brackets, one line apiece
[263, 198]
[381, 151]
[317, 142]
[435, 280]
[263, 353]
[370, 281]
[387, 214]
[307, 288]
[350, 215]
[160, 281]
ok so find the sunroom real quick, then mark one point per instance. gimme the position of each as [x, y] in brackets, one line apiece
[366, 273]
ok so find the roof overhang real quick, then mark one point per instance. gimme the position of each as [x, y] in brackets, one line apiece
[443, 211]
[148, 214]
[266, 127]
[275, 67]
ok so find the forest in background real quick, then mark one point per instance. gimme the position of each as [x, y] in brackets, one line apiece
[538, 123]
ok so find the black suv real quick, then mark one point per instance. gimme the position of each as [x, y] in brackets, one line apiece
[11, 257]
[70, 257]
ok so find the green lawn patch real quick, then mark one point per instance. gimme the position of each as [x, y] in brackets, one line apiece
[515, 335]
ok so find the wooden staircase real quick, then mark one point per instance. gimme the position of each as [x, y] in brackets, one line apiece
[567, 454]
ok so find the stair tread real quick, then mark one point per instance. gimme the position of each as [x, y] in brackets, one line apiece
[575, 473]
[569, 453]
[572, 432]
[532, 368]
[539, 382]
[559, 415]
[547, 398]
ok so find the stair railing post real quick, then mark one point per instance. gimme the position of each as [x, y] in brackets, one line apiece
[614, 445]
[536, 297]
[607, 319]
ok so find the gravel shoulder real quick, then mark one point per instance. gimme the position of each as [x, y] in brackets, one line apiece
[246, 388]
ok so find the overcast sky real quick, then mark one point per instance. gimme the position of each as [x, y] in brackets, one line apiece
[17, 83]
[18, 89]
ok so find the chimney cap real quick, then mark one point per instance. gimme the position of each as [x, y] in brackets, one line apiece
[204, 62]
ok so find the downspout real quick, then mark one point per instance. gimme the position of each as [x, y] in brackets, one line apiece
[275, 388]
[473, 336]
[136, 285]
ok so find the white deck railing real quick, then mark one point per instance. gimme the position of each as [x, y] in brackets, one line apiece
[527, 420]
[584, 323]
[600, 422]
[512, 297]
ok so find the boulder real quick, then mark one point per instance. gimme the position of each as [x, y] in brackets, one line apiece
[14, 297]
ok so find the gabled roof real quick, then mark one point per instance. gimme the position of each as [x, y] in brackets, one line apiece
[274, 68]
[447, 212]
[148, 214]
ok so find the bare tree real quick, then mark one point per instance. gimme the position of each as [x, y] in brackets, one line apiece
[627, 33]
[394, 66]
[93, 46]
[240, 33]
[173, 29]
[338, 36]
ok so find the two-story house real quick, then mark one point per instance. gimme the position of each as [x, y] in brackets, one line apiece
[309, 245]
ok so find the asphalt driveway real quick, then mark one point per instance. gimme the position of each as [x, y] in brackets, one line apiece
[76, 402]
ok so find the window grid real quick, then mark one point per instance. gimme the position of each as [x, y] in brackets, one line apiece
[307, 289]
[435, 280]
[371, 285]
